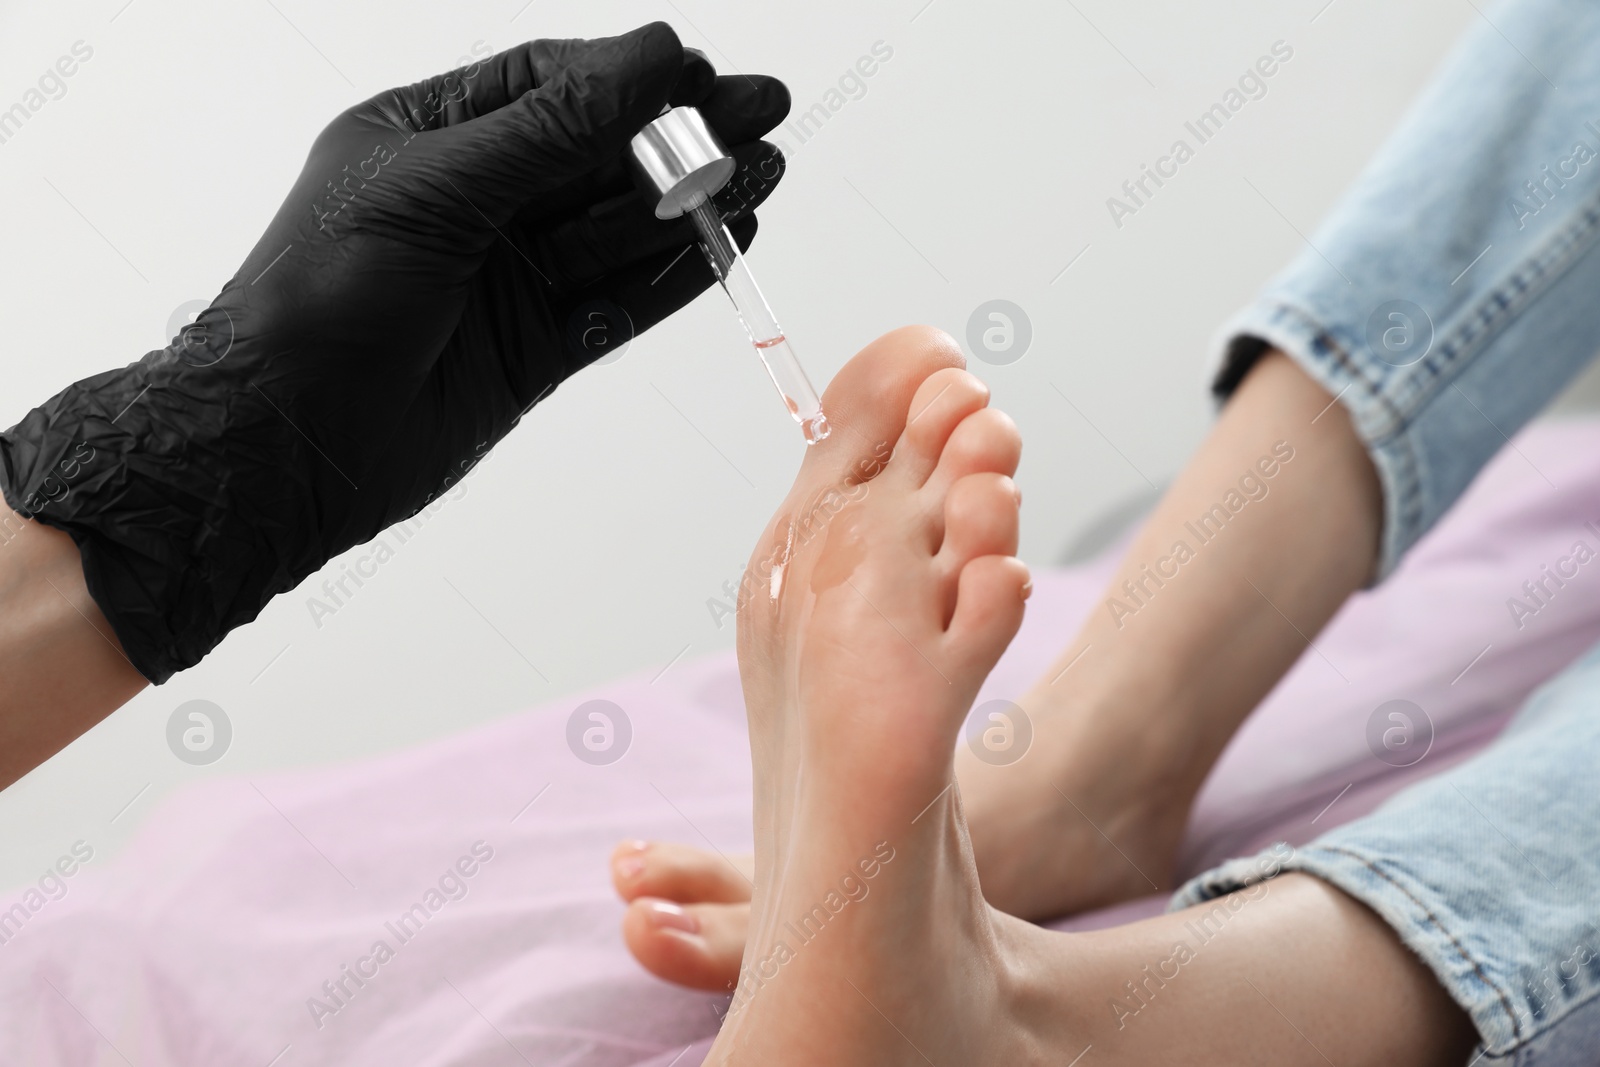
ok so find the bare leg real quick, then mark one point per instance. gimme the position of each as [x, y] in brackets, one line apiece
[1157, 693]
[61, 667]
[870, 940]
[1162, 690]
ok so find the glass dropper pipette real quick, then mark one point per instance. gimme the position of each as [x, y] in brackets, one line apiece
[679, 159]
[729, 265]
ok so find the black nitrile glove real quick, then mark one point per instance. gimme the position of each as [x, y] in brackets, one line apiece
[451, 252]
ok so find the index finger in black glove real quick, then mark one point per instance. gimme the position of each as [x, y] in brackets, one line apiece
[740, 109]
[476, 89]
[598, 239]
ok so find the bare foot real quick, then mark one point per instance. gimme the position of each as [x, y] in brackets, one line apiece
[860, 651]
[1053, 834]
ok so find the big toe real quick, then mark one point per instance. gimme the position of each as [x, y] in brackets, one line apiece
[694, 945]
[868, 400]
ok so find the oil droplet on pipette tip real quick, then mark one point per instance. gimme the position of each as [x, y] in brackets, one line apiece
[813, 427]
[790, 378]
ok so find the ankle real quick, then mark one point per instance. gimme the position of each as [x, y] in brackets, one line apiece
[1041, 985]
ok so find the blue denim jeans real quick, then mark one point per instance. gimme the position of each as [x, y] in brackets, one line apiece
[1452, 293]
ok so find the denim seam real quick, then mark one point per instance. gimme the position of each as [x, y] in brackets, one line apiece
[1343, 358]
[1482, 319]
[1475, 328]
[1477, 968]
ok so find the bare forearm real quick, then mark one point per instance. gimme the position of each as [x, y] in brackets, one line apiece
[1261, 538]
[61, 669]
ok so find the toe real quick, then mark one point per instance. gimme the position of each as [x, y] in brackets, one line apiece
[679, 872]
[980, 519]
[989, 604]
[696, 945]
[986, 440]
[868, 400]
[942, 403]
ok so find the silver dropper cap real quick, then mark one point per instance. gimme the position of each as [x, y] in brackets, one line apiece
[679, 157]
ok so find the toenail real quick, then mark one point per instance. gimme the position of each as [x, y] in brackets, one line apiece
[630, 868]
[637, 845]
[1027, 589]
[666, 915]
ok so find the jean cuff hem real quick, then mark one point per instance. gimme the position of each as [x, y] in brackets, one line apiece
[1407, 906]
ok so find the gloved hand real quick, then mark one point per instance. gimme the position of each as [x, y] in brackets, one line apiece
[433, 274]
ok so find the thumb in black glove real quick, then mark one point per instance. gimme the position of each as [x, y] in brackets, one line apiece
[430, 277]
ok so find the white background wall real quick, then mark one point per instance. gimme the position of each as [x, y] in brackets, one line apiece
[981, 157]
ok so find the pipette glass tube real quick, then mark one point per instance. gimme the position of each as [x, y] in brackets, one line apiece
[759, 322]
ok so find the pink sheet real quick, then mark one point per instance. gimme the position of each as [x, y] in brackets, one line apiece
[208, 942]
